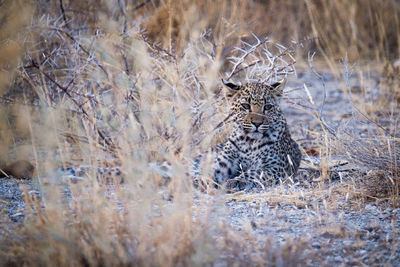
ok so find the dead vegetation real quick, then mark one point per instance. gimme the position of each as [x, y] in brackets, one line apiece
[136, 84]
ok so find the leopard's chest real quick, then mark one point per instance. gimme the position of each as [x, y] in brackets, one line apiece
[253, 152]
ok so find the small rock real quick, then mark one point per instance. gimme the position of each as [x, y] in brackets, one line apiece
[316, 245]
[338, 259]
[72, 178]
[383, 216]
[348, 242]
[327, 235]
[356, 89]
[388, 210]
[370, 208]
[362, 252]
[34, 192]
[254, 204]
[374, 236]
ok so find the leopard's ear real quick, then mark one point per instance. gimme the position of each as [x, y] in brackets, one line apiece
[277, 88]
[233, 88]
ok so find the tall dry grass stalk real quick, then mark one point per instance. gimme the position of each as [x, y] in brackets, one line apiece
[12, 46]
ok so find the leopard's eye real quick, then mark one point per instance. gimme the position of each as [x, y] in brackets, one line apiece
[246, 106]
[268, 107]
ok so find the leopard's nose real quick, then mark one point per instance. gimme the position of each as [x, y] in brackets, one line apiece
[256, 123]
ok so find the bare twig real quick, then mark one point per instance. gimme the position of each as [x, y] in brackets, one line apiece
[320, 77]
[102, 135]
[121, 4]
[157, 49]
[81, 47]
[139, 6]
[63, 14]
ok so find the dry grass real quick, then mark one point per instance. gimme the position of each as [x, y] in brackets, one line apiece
[136, 84]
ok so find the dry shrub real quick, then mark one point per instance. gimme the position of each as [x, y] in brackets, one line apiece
[368, 138]
[377, 158]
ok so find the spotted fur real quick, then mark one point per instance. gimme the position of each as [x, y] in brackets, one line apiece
[260, 149]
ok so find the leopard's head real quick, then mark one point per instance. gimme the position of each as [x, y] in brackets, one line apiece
[255, 108]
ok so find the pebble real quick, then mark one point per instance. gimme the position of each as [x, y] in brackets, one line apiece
[348, 242]
[362, 252]
[370, 208]
[338, 258]
[34, 192]
[17, 214]
[316, 245]
[383, 216]
[327, 235]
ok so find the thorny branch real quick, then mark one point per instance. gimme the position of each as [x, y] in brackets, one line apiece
[259, 63]
[81, 47]
[240, 60]
[102, 135]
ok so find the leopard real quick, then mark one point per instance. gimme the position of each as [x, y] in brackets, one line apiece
[259, 150]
